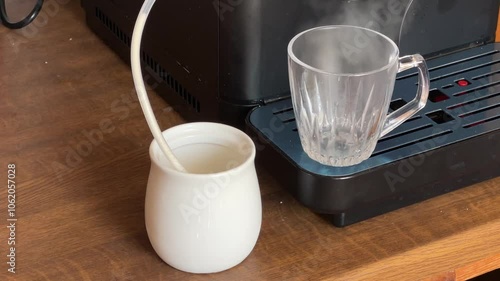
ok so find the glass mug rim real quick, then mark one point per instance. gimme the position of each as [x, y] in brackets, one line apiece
[294, 58]
[203, 128]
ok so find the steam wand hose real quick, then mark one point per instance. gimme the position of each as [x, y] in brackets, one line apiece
[141, 88]
[403, 22]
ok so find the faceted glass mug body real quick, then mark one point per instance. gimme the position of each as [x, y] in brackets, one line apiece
[207, 220]
[342, 80]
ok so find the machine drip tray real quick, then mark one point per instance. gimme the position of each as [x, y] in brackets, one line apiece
[452, 143]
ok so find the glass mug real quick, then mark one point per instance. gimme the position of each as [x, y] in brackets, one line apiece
[342, 80]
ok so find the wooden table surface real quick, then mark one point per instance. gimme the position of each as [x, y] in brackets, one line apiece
[80, 204]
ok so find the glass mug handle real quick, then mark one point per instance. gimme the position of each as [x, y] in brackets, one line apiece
[397, 117]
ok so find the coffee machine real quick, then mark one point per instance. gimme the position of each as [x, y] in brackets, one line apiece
[226, 61]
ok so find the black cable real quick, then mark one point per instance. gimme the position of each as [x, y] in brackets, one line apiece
[20, 24]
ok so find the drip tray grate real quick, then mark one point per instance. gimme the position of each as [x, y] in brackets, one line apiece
[463, 110]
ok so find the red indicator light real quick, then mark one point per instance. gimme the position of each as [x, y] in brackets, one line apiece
[463, 83]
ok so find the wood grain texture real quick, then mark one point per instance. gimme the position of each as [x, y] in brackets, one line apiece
[80, 203]
[478, 268]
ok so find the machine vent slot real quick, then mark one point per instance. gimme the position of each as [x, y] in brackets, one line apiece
[283, 110]
[482, 122]
[397, 104]
[461, 93]
[167, 78]
[412, 142]
[104, 19]
[440, 116]
[487, 108]
[464, 70]
[451, 63]
[474, 100]
[416, 117]
[436, 95]
[390, 137]
[486, 75]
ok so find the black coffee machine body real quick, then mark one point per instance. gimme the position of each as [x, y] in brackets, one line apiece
[226, 61]
[218, 59]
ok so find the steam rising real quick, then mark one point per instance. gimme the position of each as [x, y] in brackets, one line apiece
[362, 51]
[385, 16]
